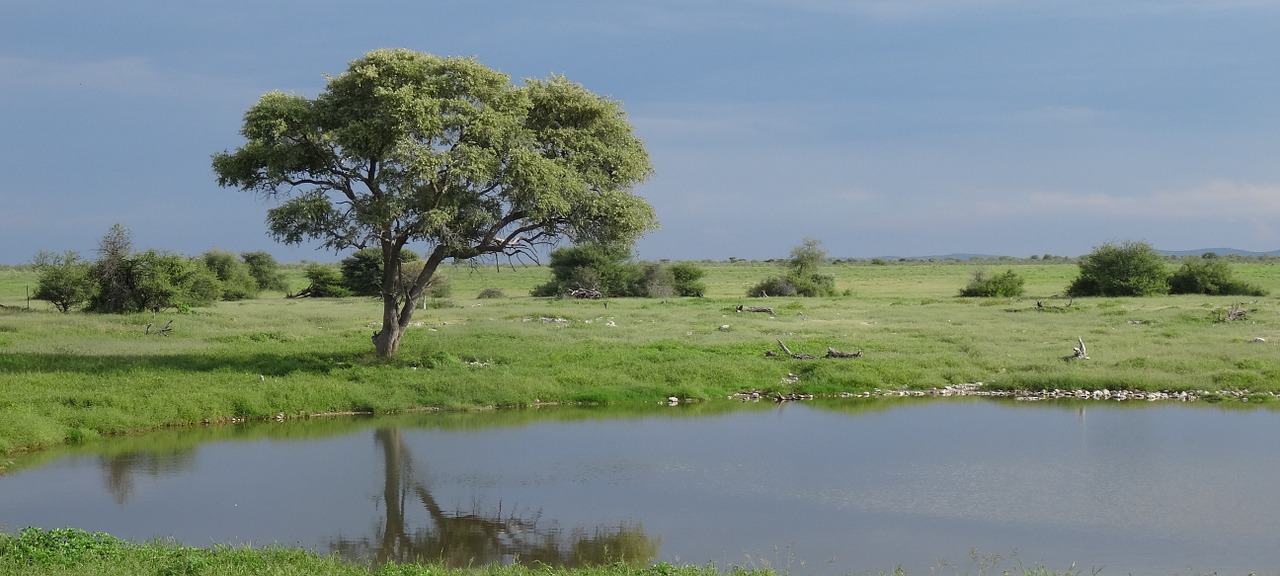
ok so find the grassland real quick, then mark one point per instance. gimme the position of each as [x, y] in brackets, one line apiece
[75, 377]
[71, 552]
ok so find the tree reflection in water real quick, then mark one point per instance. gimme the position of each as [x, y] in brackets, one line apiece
[118, 469]
[460, 539]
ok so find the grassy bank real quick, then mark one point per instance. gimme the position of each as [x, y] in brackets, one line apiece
[74, 377]
[69, 552]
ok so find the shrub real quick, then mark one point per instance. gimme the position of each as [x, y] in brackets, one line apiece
[163, 280]
[802, 278]
[265, 270]
[324, 282]
[237, 281]
[773, 286]
[64, 279]
[1006, 285]
[687, 279]
[111, 274]
[593, 267]
[362, 271]
[1127, 269]
[1212, 276]
[489, 293]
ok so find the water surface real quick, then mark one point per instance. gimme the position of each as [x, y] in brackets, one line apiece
[813, 488]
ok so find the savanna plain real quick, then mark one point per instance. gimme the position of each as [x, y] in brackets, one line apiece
[80, 378]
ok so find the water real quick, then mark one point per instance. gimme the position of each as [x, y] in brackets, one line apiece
[936, 487]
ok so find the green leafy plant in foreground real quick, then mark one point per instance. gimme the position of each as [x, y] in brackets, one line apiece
[74, 552]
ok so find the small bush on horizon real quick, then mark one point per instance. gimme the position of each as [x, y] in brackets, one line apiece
[1125, 269]
[1006, 285]
[1211, 276]
[803, 277]
[610, 271]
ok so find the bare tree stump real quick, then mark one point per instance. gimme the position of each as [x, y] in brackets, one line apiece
[1079, 353]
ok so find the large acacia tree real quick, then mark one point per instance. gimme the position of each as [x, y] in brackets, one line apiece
[410, 148]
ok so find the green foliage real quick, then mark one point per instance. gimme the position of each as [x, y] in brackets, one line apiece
[1210, 275]
[1126, 269]
[687, 279]
[265, 270]
[149, 281]
[164, 280]
[807, 258]
[362, 271]
[325, 282]
[59, 546]
[1006, 285]
[235, 276]
[591, 267]
[609, 270]
[443, 151]
[803, 277]
[772, 286]
[64, 279]
[112, 273]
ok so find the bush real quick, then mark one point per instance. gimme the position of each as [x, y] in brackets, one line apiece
[362, 271]
[64, 279]
[687, 279]
[774, 286]
[1006, 285]
[237, 281]
[609, 271]
[490, 293]
[324, 282]
[1210, 276]
[1128, 269]
[265, 270]
[147, 281]
[802, 278]
[163, 280]
[591, 267]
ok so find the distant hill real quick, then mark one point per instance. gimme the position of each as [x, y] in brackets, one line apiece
[1218, 251]
[1196, 252]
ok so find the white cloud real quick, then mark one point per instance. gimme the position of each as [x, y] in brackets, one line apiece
[1224, 201]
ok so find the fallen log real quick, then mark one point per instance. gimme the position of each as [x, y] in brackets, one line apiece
[586, 294]
[765, 309]
[833, 353]
[1235, 313]
[794, 355]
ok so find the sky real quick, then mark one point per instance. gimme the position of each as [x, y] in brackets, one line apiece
[879, 127]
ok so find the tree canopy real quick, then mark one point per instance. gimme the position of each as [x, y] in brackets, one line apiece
[406, 147]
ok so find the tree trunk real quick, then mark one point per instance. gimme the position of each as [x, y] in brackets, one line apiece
[397, 308]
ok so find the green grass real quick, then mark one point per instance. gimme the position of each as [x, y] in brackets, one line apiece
[76, 377]
[71, 552]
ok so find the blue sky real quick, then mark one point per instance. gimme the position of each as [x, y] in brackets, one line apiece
[881, 127]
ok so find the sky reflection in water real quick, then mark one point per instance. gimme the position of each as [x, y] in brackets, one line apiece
[814, 488]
